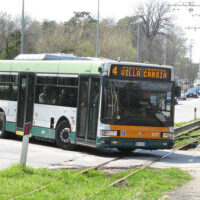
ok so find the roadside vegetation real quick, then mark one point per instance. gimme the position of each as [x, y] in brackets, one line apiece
[67, 184]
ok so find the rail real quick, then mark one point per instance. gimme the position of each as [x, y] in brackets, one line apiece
[144, 166]
[188, 127]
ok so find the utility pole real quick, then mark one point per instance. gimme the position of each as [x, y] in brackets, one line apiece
[138, 39]
[165, 49]
[190, 5]
[191, 46]
[97, 44]
[192, 28]
[22, 30]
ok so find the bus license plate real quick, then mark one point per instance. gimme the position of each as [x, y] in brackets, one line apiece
[140, 144]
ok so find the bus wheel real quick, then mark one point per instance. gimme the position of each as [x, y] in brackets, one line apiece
[2, 125]
[125, 150]
[63, 136]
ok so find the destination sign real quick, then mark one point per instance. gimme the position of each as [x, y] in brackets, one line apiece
[144, 72]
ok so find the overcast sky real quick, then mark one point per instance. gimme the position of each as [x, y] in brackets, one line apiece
[62, 10]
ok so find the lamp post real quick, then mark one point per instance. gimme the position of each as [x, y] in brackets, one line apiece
[191, 46]
[22, 30]
[97, 44]
[165, 45]
[138, 40]
[165, 49]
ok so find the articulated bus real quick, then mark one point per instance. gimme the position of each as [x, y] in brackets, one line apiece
[88, 101]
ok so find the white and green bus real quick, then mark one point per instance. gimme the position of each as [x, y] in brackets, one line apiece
[87, 101]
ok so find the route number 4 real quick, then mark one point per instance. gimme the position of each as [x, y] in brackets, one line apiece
[114, 71]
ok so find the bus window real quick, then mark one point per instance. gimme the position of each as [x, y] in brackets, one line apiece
[67, 97]
[68, 81]
[55, 95]
[8, 87]
[44, 96]
[47, 80]
[123, 103]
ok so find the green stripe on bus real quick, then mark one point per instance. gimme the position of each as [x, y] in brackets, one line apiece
[11, 126]
[43, 132]
[73, 137]
[40, 132]
[49, 133]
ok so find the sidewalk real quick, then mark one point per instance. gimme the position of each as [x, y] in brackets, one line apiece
[189, 191]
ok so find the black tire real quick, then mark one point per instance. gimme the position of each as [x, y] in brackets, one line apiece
[125, 150]
[2, 125]
[63, 136]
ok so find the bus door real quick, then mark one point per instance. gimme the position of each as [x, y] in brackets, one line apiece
[25, 100]
[88, 106]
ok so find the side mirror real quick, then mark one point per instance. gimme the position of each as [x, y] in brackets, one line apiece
[177, 91]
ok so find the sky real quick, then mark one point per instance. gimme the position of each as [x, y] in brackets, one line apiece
[62, 10]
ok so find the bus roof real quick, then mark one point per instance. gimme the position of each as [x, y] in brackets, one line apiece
[49, 56]
[51, 66]
[43, 63]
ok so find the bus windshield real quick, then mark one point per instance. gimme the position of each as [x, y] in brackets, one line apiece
[136, 102]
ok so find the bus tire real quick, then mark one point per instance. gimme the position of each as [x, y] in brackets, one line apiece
[63, 136]
[2, 125]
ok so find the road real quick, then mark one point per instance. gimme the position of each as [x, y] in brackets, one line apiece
[42, 154]
[184, 110]
[51, 157]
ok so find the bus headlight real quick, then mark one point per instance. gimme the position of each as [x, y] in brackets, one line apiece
[110, 133]
[168, 135]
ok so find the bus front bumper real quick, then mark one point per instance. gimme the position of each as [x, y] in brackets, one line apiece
[106, 142]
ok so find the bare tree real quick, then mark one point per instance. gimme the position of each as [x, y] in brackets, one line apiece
[116, 42]
[155, 19]
[52, 40]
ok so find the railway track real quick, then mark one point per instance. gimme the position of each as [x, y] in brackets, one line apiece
[186, 133]
[81, 172]
[146, 165]
[142, 167]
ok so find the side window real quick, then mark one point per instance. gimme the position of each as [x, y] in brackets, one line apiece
[62, 94]
[8, 87]
[46, 94]
[68, 81]
[67, 97]
[47, 80]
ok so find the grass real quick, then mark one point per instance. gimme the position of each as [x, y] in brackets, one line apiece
[180, 143]
[176, 125]
[147, 184]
